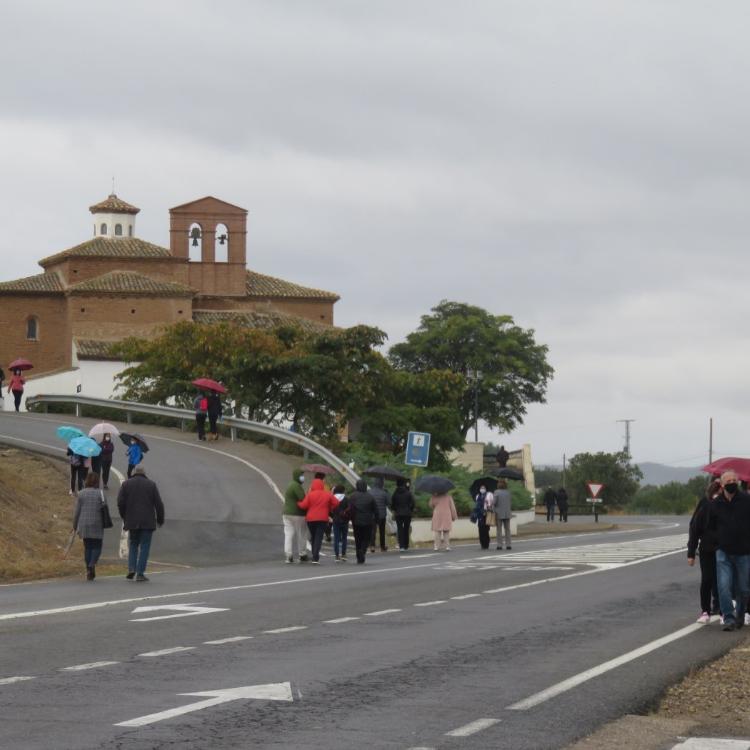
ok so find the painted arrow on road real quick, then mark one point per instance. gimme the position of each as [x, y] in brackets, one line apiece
[183, 610]
[279, 691]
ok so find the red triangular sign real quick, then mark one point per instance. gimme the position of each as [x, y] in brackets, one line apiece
[594, 488]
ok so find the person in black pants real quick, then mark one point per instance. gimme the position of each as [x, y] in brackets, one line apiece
[380, 495]
[562, 504]
[549, 500]
[363, 511]
[402, 506]
[78, 471]
[105, 458]
[480, 511]
[704, 540]
[214, 413]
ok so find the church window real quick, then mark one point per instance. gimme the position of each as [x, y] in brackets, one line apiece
[221, 245]
[32, 328]
[195, 243]
[130, 231]
[118, 230]
[103, 229]
[132, 312]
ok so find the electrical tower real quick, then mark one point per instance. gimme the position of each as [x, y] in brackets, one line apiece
[627, 422]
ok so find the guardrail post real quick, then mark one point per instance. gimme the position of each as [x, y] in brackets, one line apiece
[233, 434]
[275, 444]
[129, 417]
[182, 425]
[305, 454]
[78, 410]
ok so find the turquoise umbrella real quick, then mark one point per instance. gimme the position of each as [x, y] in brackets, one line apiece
[85, 446]
[67, 433]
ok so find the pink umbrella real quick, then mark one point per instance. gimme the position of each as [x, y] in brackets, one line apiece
[210, 385]
[20, 364]
[741, 466]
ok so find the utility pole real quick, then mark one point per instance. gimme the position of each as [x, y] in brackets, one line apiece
[710, 440]
[563, 471]
[627, 434]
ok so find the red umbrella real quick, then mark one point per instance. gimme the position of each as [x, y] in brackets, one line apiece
[20, 364]
[318, 468]
[741, 466]
[210, 385]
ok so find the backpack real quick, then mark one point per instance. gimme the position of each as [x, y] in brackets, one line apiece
[344, 512]
[204, 404]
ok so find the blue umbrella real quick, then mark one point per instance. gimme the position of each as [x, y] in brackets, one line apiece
[85, 446]
[68, 433]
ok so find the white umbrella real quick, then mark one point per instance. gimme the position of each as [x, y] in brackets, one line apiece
[102, 429]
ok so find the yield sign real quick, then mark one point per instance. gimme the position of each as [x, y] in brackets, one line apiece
[594, 488]
[182, 610]
[279, 691]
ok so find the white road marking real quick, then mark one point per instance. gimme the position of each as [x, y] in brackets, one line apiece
[430, 604]
[380, 612]
[11, 680]
[280, 691]
[465, 596]
[285, 630]
[233, 639]
[340, 619]
[165, 651]
[32, 442]
[183, 610]
[712, 743]
[419, 557]
[91, 665]
[589, 674]
[472, 728]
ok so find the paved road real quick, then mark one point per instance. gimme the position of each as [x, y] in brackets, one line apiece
[219, 508]
[399, 653]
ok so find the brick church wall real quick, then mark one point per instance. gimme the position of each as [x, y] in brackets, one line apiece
[75, 270]
[321, 311]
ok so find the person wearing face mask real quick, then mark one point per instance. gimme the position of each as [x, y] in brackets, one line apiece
[480, 511]
[293, 518]
[729, 517]
[105, 458]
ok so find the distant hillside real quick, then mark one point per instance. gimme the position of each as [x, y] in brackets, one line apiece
[658, 474]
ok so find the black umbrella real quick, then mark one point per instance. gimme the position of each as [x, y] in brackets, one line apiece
[433, 484]
[126, 438]
[488, 482]
[384, 472]
[506, 473]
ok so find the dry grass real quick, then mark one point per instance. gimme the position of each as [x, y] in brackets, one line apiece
[36, 516]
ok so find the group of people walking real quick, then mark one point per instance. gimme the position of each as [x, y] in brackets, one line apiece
[556, 497]
[719, 533]
[81, 466]
[493, 509]
[207, 406]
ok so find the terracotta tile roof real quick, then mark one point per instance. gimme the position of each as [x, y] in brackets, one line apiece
[256, 319]
[113, 205]
[42, 283]
[92, 349]
[110, 247]
[131, 283]
[259, 285]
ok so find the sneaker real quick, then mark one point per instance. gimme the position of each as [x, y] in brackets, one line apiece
[337, 558]
[436, 549]
[343, 558]
[131, 575]
[728, 626]
[140, 578]
[703, 618]
[509, 547]
[89, 573]
[447, 549]
[372, 549]
[303, 558]
[289, 559]
[315, 562]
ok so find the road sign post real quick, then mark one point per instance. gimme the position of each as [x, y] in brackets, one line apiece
[417, 449]
[595, 488]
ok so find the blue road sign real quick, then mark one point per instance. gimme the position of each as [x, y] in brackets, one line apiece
[417, 449]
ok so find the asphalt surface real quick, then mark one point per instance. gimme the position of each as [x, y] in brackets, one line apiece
[422, 650]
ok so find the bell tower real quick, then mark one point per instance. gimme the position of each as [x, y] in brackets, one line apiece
[211, 235]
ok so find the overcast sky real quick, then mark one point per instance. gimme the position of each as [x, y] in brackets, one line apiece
[580, 165]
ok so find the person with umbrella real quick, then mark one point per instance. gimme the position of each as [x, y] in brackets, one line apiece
[78, 471]
[502, 502]
[105, 459]
[483, 501]
[88, 523]
[135, 455]
[378, 491]
[402, 506]
[15, 386]
[362, 509]
[200, 404]
[318, 503]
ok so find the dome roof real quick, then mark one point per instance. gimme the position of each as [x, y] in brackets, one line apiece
[113, 205]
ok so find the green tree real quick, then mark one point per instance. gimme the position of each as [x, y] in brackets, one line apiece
[547, 476]
[614, 470]
[674, 497]
[465, 339]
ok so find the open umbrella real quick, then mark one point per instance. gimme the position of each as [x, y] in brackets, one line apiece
[210, 385]
[103, 428]
[318, 468]
[20, 364]
[126, 437]
[433, 484]
[67, 433]
[489, 482]
[741, 466]
[384, 472]
[506, 473]
[85, 446]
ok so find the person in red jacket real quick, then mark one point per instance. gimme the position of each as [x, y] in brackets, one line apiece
[15, 387]
[318, 504]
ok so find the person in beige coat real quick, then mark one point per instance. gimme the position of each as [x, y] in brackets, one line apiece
[443, 516]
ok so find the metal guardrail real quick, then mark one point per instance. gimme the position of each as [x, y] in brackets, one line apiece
[236, 423]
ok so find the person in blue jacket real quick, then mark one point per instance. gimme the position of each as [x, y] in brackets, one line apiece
[135, 456]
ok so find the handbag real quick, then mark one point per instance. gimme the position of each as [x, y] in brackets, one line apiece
[490, 518]
[106, 517]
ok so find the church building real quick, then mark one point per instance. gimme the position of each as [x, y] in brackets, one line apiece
[116, 285]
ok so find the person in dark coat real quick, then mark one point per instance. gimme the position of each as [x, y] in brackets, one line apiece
[704, 541]
[88, 522]
[482, 503]
[78, 471]
[363, 512]
[200, 404]
[549, 500]
[562, 504]
[502, 457]
[381, 500]
[402, 506]
[142, 510]
[215, 411]
[105, 458]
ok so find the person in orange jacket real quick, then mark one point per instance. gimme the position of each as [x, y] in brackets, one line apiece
[318, 504]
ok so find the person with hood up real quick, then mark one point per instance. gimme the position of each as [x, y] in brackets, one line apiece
[319, 504]
[293, 518]
[481, 507]
[402, 505]
[443, 516]
[363, 511]
[704, 541]
[380, 494]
